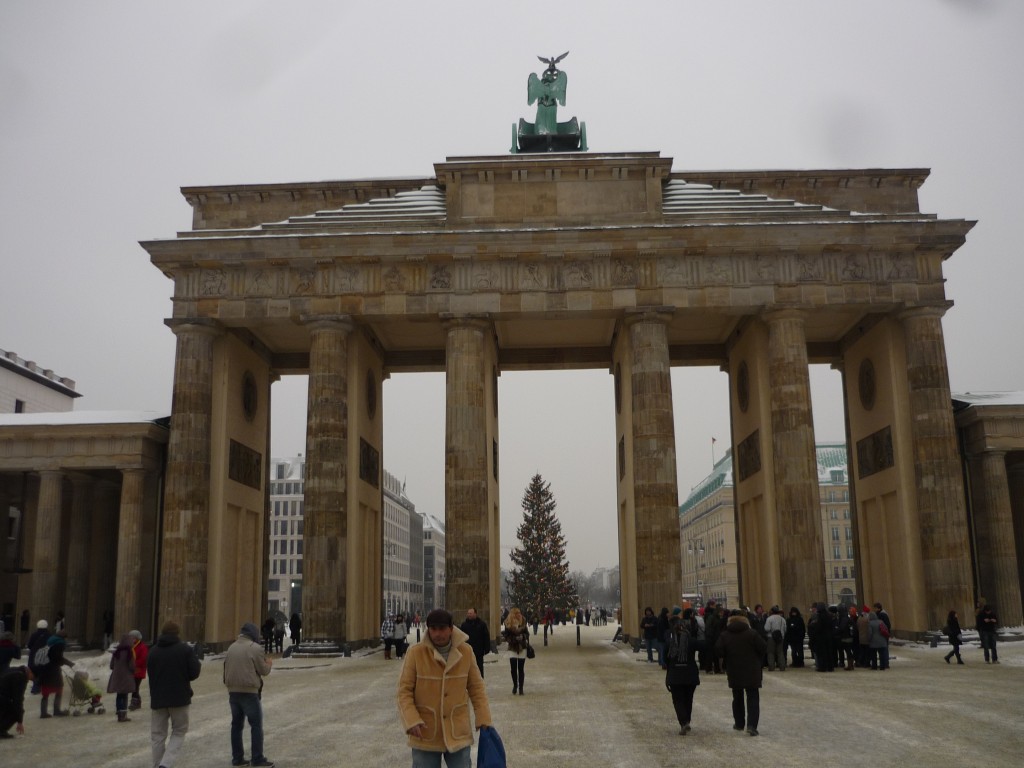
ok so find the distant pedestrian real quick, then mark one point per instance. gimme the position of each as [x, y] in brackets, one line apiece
[295, 627]
[662, 636]
[122, 677]
[878, 642]
[399, 634]
[517, 635]
[743, 651]
[796, 631]
[267, 630]
[245, 666]
[775, 630]
[956, 638]
[988, 632]
[479, 637]
[108, 628]
[683, 672]
[649, 629]
[36, 641]
[172, 666]
[140, 651]
[439, 682]
[279, 637]
[387, 635]
[13, 683]
[25, 622]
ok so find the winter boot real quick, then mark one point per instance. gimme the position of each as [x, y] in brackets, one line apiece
[387, 654]
[57, 711]
[136, 702]
[122, 716]
[43, 705]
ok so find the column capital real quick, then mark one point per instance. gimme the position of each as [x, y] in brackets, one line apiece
[205, 325]
[928, 310]
[774, 314]
[661, 315]
[479, 320]
[342, 323]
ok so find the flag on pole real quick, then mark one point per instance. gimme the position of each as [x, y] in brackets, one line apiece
[713, 441]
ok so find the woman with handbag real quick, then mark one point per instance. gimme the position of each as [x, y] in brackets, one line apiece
[955, 637]
[517, 635]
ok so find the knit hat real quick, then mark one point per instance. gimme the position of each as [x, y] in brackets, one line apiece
[251, 631]
[676, 611]
[41, 624]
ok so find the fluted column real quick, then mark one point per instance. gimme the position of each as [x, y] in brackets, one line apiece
[46, 554]
[994, 537]
[1015, 481]
[797, 504]
[129, 551]
[465, 465]
[655, 486]
[76, 591]
[184, 557]
[941, 508]
[102, 566]
[7, 552]
[324, 581]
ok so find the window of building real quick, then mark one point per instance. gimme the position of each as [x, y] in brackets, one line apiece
[853, 572]
[273, 585]
[846, 495]
[300, 527]
[282, 565]
[280, 471]
[846, 514]
[273, 566]
[835, 572]
[835, 534]
[835, 553]
[832, 514]
[298, 567]
[298, 547]
[19, 406]
[849, 533]
[844, 572]
[849, 551]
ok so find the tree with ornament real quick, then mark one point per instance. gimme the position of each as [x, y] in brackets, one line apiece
[540, 574]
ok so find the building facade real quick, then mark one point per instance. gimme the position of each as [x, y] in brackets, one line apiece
[287, 531]
[709, 547]
[26, 387]
[434, 592]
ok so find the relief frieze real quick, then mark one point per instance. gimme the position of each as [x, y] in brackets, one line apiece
[348, 280]
[578, 275]
[854, 268]
[623, 273]
[440, 278]
[672, 271]
[809, 267]
[394, 280]
[716, 270]
[259, 283]
[765, 268]
[901, 268]
[304, 281]
[532, 277]
[748, 455]
[875, 453]
[484, 276]
[214, 282]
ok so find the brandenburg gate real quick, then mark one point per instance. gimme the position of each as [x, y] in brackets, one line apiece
[614, 261]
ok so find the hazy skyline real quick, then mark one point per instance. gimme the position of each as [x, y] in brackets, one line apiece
[110, 107]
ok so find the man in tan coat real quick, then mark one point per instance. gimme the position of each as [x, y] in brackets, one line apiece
[439, 680]
[245, 666]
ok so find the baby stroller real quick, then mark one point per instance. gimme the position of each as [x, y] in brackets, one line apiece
[84, 694]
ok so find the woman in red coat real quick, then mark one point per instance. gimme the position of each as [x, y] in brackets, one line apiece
[141, 652]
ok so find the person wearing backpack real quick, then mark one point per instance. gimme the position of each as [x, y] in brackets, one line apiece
[36, 641]
[51, 675]
[682, 675]
[878, 642]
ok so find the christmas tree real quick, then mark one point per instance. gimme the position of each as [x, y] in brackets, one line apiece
[540, 575]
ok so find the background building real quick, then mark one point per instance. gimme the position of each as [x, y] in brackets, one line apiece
[707, 534]
[433, 563]
[284, 581]
[27, 388]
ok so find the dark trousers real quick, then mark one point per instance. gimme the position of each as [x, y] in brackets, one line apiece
[7, 719]
[246, 706]
[955, 652]
[480, 662]
[797, 649]
[753, 708]
[518, 668]
[682, 702]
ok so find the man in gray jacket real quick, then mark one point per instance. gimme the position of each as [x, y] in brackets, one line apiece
[245, 666]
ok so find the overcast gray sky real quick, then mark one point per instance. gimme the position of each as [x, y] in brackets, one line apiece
[108, 108]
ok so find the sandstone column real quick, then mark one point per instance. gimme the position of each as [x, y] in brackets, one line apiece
[7, 550]
[325, 585]
[797, 512]
[465, 465]
[996, 553]
[184, 557]
[102, 554]
[76, 592]
[1015, 479]
[945, 552]
[129, 552]
[655, 488]
[46, 554]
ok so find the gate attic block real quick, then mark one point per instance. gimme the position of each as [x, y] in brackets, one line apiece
[581, 260]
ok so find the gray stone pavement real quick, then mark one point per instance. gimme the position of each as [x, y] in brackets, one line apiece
[596, 704]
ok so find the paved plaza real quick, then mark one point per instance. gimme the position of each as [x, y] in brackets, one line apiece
[595, 704]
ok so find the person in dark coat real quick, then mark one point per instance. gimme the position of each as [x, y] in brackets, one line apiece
[122, 677]
[987, 625]
[172, 665]
[820, 633]
[682, 675]
[662, 636]
[9, 651]
[743, 651]
[36, 641]
[295, 627]
[51, 677]
[267, 631]
[13, 683]
[649, 627]
[479, 637]
[714, 620]
[796, 631]
[955, 637]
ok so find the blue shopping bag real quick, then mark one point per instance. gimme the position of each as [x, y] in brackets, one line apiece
[490, 752]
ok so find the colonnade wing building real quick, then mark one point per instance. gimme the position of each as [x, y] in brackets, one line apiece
[583, 260]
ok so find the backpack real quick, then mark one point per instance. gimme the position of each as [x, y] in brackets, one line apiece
[883, 630]
[678, 647]
[42, 657]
